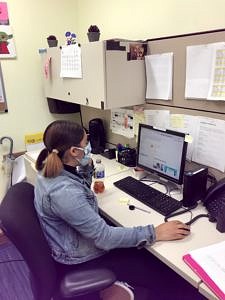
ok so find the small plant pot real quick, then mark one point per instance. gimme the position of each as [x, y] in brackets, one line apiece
[93, 36]
[52, 43]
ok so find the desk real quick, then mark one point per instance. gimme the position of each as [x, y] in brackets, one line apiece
[113, 205]
[205, 291]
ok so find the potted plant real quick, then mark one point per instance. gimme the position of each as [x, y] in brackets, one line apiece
[93, 33]
[52, 41]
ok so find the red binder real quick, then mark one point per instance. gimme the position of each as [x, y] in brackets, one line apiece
[204, 276]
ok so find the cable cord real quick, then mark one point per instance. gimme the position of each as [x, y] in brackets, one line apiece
[184, 211]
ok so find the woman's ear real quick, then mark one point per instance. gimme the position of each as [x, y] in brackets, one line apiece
[73, 151]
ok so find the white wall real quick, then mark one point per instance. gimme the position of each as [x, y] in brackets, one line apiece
[33, 21]
[149, 18]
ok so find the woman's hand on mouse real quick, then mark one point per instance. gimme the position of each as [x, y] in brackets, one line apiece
[172, 230]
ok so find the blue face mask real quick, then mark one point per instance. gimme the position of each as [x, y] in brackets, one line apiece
[87, 155]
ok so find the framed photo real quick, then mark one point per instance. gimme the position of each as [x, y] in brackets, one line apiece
[7, 47]
[3, 104]
[137, 51]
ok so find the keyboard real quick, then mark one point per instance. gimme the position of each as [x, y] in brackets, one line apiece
[155, 199]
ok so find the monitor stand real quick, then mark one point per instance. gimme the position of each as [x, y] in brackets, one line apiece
[170, 186]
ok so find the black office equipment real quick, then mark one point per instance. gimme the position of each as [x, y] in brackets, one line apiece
[214, 202]
[127, 157]
[162, 152]
[194, 187]
[97, 135]
[155, 199]
[19, 221]
[109, 153]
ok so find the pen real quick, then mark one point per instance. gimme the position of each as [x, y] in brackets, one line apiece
[133, 207]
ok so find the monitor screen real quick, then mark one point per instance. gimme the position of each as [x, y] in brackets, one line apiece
[162, 152]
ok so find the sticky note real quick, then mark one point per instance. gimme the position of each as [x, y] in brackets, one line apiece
[34, 138]
[123, 200]
[188, 138]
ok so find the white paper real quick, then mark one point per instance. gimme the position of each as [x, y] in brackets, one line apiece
[157, 118]
[186, 124]
[71, 61]
[139, 118]
[122, 122]
[198, 70]
[18, 172]
[159, 70]
[36, 146]
[217, 83]
[209, 145]
[212, 260]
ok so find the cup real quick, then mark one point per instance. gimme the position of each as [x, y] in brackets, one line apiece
[99, 186]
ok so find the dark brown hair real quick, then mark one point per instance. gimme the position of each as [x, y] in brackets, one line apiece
[58, 137]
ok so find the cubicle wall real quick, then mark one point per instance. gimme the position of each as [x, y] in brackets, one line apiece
[179, 105]
[177, 45]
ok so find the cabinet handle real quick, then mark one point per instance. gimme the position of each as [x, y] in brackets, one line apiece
[87, 101]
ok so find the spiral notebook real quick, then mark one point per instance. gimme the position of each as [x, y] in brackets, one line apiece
[209, 264]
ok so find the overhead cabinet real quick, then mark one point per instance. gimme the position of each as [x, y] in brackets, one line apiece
[111, 77]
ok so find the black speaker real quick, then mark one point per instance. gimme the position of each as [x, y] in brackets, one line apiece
[194, 187]
[97, 136]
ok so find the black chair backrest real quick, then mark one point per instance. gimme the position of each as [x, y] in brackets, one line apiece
[20, 223]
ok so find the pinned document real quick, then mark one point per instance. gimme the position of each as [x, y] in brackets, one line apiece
[71, 61]
[159, 70]
[34, 141]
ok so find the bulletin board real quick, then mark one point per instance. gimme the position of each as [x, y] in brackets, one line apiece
[3, 103]
[177, 45]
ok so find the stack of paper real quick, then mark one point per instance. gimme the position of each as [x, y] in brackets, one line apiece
[209, 264]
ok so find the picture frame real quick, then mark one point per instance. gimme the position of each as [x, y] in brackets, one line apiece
[7, 47]
[3, 103]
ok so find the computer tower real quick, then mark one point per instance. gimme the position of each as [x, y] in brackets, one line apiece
[194, 186]
[97, 136]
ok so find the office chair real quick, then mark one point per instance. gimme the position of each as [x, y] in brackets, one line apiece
[19, 221]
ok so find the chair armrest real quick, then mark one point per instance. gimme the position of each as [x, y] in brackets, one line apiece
[86, 281]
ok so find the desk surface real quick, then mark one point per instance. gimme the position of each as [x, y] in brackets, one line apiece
[205, 291]
[113, 204]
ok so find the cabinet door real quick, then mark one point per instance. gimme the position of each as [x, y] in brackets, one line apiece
[54, 86]
[88, 90]
[93, 67]
[126, 81]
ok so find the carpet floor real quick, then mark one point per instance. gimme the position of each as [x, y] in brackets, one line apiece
[14, 274]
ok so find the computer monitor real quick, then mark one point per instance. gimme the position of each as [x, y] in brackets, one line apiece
[162, 152]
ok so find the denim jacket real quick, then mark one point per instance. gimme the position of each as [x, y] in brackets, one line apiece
[68, 212]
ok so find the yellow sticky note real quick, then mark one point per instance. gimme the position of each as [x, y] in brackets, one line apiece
[123, 200]
[177, 121]
[188, 138]
[34, 138]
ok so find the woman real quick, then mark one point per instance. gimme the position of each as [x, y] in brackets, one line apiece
[68, 212]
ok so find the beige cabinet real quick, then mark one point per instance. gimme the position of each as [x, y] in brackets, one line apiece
[109, 78]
